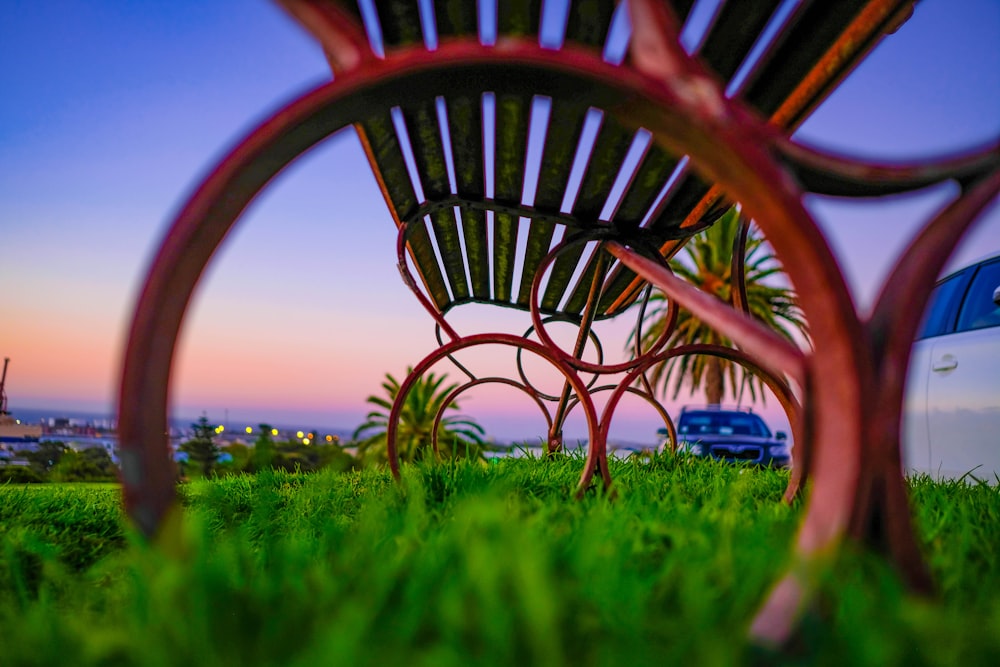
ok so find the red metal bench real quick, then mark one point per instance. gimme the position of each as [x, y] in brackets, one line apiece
[849, 384]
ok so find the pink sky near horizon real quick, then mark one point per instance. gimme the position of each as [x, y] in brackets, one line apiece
[113, 114]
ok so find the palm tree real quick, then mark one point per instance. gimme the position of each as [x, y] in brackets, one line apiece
[707, 264]
[458, 436]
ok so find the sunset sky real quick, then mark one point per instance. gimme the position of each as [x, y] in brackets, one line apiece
[111, 112]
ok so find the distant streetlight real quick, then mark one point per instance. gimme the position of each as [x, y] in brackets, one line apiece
[300, 434]
[274, 431]
[305, 441]
[249, 430]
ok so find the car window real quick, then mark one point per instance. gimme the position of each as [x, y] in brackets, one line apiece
[722, 423]
[939, 318]
[978, 310]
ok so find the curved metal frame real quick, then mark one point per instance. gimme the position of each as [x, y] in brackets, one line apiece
[649, 397]
[586, 332]
[591, 335]
[538, 321]
[596, 453]
[461, 389]
[851, 382]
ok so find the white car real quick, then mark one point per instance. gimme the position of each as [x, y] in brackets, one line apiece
[951, 423]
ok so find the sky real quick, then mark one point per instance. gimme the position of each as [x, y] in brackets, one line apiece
[112, 112]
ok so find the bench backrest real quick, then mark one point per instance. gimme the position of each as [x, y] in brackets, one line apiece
[465, 234]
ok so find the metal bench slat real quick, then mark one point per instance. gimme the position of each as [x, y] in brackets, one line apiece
[476, 247]
[734, 34]
[684, 196]
[681, 201]
[539, 241]
[682, 8]
[380, 136]
[512, 115]
[561, 139]
[423, 257]
[428, 153]
[566, 121]
[422, 126]
[518, 17]
[446, 234]
[562, 273]
[400, 21]
[455, 18]
[578, 301]
[588, 21]
[465, 128]
[610, 148]
[504, 246]
[388, 156]
[619, 280]
[655, 169]
[811, 34]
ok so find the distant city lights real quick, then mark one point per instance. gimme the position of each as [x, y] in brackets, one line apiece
[249, 430]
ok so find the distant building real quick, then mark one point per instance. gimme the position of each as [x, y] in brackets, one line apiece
[12, 431]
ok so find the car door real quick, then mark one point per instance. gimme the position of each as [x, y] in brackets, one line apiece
[963, 384]
[939, 320]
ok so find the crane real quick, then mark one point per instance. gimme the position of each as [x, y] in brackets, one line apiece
[3, 381]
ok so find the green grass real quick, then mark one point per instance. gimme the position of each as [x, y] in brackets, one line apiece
[466, 564]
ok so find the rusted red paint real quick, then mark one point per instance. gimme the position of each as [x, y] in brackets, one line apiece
[737, 268]
[777, 354]
[335, 26]
[596, 452]
[471, 384]
[850, 382]
[876, 19]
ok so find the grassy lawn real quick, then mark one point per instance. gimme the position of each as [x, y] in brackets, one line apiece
[467, 564]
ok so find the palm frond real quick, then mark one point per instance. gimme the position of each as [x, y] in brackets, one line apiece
[706, 262]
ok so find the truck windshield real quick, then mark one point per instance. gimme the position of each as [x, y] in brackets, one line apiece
[722, 423]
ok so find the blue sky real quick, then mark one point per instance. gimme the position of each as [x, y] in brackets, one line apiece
[111, 112]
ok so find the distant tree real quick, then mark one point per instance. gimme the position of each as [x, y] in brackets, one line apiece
[263, 449]
[201, 450]
[294, 455]
[47, 456]
[238, 460]
[20, 475]
[90, 465]
[101, 459]
[458, 436]
[334, 457]
[706, 264]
